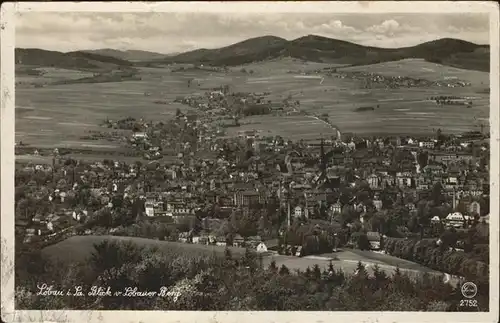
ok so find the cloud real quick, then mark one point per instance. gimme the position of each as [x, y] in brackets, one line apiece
[336, 26]
[387, 27]
[173, 32]
[393, 27]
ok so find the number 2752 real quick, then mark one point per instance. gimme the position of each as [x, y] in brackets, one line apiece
[468, 303]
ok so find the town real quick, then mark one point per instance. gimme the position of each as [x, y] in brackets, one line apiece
[196, 185]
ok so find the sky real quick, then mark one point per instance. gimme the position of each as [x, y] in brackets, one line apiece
[185, 31]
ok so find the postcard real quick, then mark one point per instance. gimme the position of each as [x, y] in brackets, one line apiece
[242, 161]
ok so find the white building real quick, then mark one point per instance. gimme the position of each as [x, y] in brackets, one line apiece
[373, 181]
[149, 208]
[336, 208]
[435, 219]
[455, 219]
[475, 208]
[139, 135]
[298, 211]
[427, 144]
[378, 204]
[261, 247]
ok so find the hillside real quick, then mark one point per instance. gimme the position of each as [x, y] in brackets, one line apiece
[128, 55]
[78, 248]
[447, 51]
[73, 60]
[247, 51]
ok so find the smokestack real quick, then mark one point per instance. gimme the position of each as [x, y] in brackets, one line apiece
[288, 215]
[53, 167]
[305, 196]
[323, 161]
[454, 199]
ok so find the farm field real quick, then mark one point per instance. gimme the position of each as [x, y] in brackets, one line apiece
[293, 127]
[283, 65]
[44, 116]
[51, 74]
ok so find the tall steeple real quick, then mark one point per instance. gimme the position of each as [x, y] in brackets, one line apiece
[454, 199]
[322, 153]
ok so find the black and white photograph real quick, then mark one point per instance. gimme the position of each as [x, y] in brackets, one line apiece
[219, 159]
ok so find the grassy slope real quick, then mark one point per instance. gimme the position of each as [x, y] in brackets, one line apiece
[78, 248]
[384, 259]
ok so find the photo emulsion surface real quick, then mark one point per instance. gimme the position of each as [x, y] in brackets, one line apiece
[272, 161]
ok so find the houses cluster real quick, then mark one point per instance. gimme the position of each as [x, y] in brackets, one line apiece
[210, 175]
[44, 226]
[253, 242]
[373, 79]
[459, 220]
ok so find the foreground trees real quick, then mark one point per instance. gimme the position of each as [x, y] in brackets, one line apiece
[223, 283]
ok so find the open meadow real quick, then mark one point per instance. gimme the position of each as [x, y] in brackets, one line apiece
[58, 115]
[78, 248]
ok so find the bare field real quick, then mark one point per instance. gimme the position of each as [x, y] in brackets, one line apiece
[283, 65]
[51, 74]
[66, 112]
[293, 127]
[47, 115]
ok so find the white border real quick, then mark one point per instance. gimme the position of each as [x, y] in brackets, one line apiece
[7, 122]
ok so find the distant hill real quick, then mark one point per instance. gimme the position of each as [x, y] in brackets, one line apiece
[247, 51]
[128, 55]
[73, 60]
[447, 51]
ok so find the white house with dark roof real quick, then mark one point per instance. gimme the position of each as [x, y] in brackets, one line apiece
[375, 239]
[435, 219]
[455, 219]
